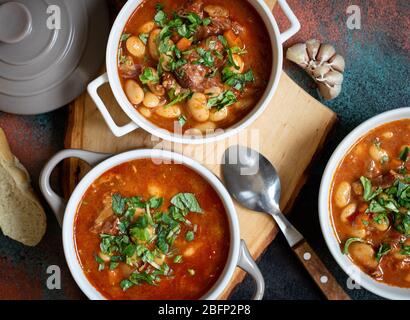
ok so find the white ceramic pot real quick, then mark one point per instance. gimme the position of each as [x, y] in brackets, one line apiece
[277, 39]
[345, 263]
[239, 255]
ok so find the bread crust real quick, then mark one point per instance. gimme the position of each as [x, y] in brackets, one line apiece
[35, 221]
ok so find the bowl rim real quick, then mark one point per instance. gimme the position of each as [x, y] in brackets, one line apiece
[114, 80]
[69, 245]
[352, 270]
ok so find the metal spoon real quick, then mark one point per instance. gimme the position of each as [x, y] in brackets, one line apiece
[254, 183]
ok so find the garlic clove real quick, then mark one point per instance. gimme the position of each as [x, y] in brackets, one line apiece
[329, 92]
[337, 62]
[320, 71]
[298, 54]
[312, 47]
[326, 52]
[333, 78]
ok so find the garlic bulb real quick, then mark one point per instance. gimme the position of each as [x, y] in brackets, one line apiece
[322, 63]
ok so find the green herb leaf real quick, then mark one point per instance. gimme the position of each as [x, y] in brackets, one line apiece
[223, 100]
[182, 120]
[383, 250]
[187, 201]
[349, 242]
[126, 284]
[160, 18]
[405, 250]
[155, 203]
[144, 37]
[118, 204]
[404, 154]
[190, 236]
[101, 263]
[125, 36]
[178, 259]
[236, 80]
[148, 76]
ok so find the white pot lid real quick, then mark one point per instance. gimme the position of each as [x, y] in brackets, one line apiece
[49, 51]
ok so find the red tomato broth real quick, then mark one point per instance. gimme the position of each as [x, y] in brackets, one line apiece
[258, 58]
[211, 243]
[392, 269]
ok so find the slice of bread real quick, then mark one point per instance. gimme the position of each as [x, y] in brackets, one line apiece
[22, 217]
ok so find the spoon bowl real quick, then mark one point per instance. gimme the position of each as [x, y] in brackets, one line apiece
[254, 182]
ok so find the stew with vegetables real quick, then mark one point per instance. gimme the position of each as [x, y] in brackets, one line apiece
[149, 231]
[194, 65]
[370, 203]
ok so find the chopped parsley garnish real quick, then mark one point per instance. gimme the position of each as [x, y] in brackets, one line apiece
[174, 99]
[206, 58]
[224, 99]
[383, 250]
[391, 203]
[125, 36]
[143, 37]
[182, 120]
[148, 76]
[404, 154]
[236, 80]
[405, 250]
[144, 242]
[190, 236]
[349, 242]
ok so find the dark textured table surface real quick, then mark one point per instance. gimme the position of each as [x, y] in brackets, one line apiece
[376, 79]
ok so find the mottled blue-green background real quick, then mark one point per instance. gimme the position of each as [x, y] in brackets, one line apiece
[376, 79]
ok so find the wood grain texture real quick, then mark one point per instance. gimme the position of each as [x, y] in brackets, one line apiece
[318, 271]
[289, 133]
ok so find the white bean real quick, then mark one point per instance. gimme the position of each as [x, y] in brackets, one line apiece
[197, 106]
[213, 92]
[154, 190]
[342, 194]
[206, 126]
[382, 226]
[357, 232]
[387, 134]
[147, 27]
[377, 153]
[363, 253]
[169, 112]
[216, 11]
[145, 111]
[152, 44]
[218, 115]
[348, 211]
[135, 46]
[240, 65]
[150, 100]
[134, 92]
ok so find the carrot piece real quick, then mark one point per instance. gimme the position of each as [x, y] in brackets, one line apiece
[232, 39]
[184, 44]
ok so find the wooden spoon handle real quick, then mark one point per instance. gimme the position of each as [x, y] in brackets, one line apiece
[326, 282]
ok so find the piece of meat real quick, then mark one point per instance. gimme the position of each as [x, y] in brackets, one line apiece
[192, 6]
[217, 27]
[170, 83]
[128, 69]
[384, 181]
[110, 226]
[191, 76]
[237, 28]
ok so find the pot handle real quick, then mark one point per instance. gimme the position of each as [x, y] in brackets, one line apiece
[57, 203]
[92, 89]
[294, 22]
[246, 263]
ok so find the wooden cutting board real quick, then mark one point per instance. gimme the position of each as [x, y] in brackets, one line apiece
[289, 133]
